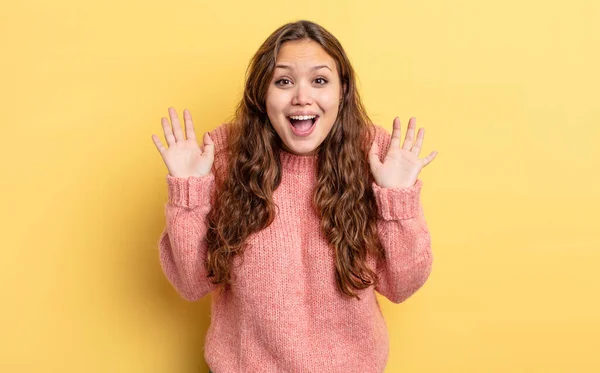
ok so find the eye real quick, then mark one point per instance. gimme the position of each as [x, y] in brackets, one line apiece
[323, 80]
[282, 81]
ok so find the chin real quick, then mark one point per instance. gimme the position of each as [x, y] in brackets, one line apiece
[301, 150]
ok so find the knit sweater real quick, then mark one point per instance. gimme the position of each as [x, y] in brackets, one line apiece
[284, 312]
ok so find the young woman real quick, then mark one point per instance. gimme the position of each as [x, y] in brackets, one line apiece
[294, 215]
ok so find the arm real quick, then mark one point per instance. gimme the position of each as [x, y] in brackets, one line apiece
[182, 243]
[401, 224]
[404, 235]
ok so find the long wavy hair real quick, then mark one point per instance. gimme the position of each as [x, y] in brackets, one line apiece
[343, 196]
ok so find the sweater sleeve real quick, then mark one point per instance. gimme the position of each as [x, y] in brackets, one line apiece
[182, 243]
[404, 236]
[406, 240]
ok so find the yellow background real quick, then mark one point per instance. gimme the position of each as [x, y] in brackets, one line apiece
[507, 92]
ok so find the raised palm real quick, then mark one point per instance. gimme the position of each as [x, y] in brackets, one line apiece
[401, 165]
[183, 157]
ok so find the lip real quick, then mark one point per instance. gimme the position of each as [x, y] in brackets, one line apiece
[302, 113]
[309, 131]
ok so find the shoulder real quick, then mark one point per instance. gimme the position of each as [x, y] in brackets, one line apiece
[382, 136]
[220, 137]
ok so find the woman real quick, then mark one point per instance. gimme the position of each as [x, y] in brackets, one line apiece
[295, 214]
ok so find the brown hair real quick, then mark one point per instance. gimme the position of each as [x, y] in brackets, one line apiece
[343, 196]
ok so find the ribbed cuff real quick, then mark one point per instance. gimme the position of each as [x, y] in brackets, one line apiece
[189, 192]
[398, 203]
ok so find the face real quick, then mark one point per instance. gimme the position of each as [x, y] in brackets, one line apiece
[304, 96]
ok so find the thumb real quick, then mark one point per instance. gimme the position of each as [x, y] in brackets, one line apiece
[374, 156]
[209, 145]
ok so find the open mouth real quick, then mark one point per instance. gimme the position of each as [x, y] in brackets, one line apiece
[303, 125]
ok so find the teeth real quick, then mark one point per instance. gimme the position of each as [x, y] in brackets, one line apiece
[303, 117]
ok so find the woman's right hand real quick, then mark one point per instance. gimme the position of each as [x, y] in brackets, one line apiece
[183, 157]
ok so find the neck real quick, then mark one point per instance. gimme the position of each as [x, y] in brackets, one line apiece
[297, 163]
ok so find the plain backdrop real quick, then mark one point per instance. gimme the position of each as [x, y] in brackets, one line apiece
[507, 92]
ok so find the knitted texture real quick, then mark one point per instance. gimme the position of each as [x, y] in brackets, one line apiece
[284, 312]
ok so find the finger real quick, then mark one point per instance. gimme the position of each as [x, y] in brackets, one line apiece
[419, 143]
[176, 125]
[168, 131]
[189, 125]
[395, 141]
[209, 145]
[159, 145]
[374, 157]
[410, 134]
[427, 160]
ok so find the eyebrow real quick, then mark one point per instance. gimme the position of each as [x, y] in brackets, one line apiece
[281, 66]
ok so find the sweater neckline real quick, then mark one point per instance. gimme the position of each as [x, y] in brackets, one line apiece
[297, 163]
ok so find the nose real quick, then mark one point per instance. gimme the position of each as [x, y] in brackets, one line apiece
[302, 95]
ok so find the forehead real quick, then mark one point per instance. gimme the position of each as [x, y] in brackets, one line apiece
[304, 54]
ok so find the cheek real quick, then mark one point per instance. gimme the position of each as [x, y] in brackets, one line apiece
[329, 100]
[276, 102]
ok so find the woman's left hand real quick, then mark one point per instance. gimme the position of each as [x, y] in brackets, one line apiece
[401, 165]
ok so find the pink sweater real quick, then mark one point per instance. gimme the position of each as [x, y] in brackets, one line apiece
[284, 312]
